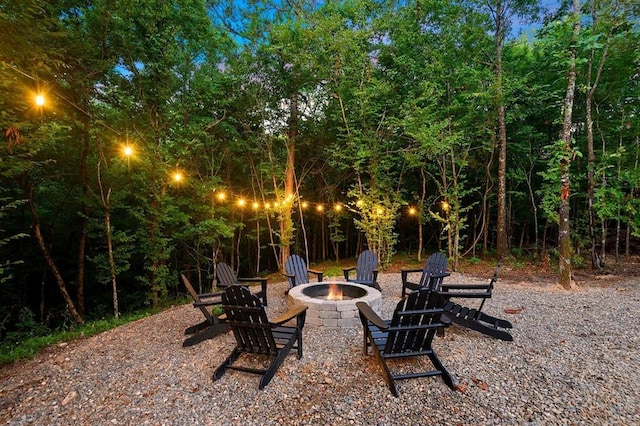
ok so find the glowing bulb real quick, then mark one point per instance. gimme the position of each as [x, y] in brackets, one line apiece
[305, 204]
[128, 151]
[412, 211]
[267, 206]
[256, 205]
[445, 206]
[221, 196]
[337, 207]
[242, 202]
[359, 203]
[319, 207]
[177, 176]
[40, 100]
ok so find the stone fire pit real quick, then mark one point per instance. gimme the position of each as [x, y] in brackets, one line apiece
[331, 312]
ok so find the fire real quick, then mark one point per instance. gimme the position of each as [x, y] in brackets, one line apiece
[335, 292]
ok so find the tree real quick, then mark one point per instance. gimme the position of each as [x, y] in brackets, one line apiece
[564, 238]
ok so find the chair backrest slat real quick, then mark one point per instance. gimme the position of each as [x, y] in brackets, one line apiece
[225, 275]
[436, 264]
[414, 323]
[247, 318]
[196, 298]
[295, 265]
[367, 263]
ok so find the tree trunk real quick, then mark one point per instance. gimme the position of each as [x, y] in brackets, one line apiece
[502, 237]
[286, 222]
[84, 222]
[423, 195]
[107, 226]
[564, 237]
[50, 262]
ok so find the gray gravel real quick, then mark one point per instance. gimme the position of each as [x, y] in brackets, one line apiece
[574, 360]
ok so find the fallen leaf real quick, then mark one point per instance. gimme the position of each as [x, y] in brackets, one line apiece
[514, 311]
[479, 383]
[462, 387]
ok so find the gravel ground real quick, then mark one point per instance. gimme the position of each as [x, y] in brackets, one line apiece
[574, 360]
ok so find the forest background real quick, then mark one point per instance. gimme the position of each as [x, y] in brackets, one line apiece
[146, 138]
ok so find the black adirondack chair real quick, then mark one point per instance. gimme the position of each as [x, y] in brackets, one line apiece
[297, 271]
[474, 318]
[256, 335]
[211, 326]
[225, 277]
[434, 272]
[410, 333]
[366, 270]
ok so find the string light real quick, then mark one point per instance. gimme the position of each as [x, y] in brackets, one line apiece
[178, 177]
[445, 206]
[40, 101]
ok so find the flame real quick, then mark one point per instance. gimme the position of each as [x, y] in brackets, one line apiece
[335, 292]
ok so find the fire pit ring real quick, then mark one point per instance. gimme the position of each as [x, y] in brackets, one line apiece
[330, 312]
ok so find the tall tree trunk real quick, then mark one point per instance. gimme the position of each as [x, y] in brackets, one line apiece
[50, 262]
[564, 237]
[423, 195]
[82, 243]
[502, 242]
[286, 222]
[591, 158]
[107, 225]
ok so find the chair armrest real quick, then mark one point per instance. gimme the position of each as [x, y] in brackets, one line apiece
[465, 286]
[319, 274]
[208, 303]
[371, 316]
[345, 272]
[293, 312]
[217, 293]
[466, 295]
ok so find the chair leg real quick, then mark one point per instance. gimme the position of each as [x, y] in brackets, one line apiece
[275, 364]
[446, 376]
[481, 328]
[208, 333]
[195, 328]
[219, 372]
[388, 377]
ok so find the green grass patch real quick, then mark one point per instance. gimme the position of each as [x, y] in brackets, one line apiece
[27, 348]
